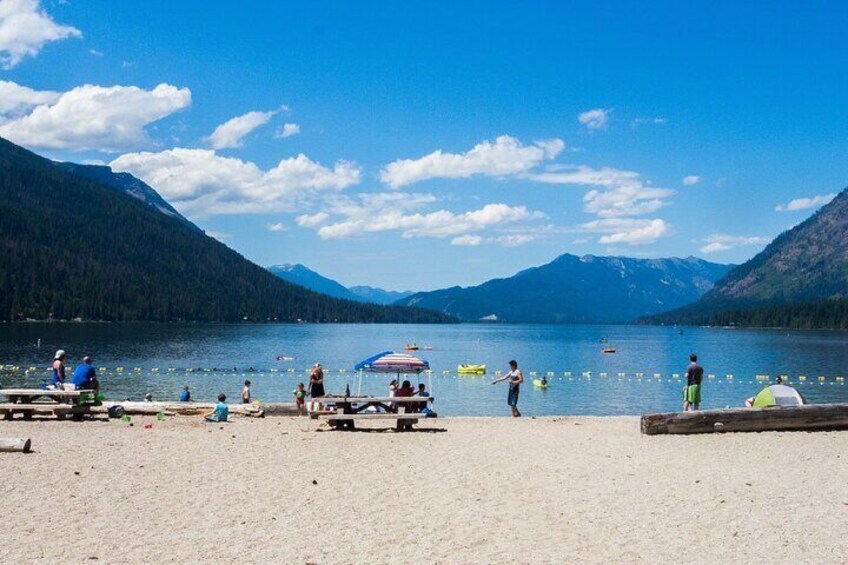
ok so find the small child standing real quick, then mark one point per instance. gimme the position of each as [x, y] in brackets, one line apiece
[299, 398]
[245, 393]
[221, 411]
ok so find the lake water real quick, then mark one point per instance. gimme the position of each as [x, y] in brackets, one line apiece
[645, 351]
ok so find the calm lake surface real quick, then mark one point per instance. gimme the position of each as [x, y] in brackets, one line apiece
[153, 349]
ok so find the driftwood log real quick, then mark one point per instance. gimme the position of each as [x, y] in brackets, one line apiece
[20, 445]
[198, 408]
[809, 417]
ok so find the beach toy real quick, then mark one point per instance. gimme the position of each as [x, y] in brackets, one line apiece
[148, 426]
[160, 416]
[126, 419]
[539, 384]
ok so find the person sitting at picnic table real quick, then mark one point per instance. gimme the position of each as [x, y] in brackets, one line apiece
[185, 395]
[405, 389]
[422, 392]
[85, 377]
[59, 369]
[221, 411]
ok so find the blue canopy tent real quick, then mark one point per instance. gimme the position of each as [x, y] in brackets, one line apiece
[391, 362]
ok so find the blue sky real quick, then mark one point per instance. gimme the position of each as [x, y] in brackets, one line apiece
[422, 145]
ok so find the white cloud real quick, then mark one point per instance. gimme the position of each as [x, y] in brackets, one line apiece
[505, 157]
[724, 242]
[16, 100]
[583, 175]
[503, 240]
[90, 117]
[655, 121]
[513, 240]
[467, 240]
[288, 130]
[626, 194]
[632, 231]
[312, 220]
[95, 52]
[25, 28]
[691, 179]
[626, 201]
[805, 203]
[199, 181]
[278, 226]
[595, 119]
[231, 133]
[384, 212]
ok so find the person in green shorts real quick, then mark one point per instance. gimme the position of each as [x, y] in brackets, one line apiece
[692, 392]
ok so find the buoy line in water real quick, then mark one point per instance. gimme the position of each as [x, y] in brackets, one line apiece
[558, 376]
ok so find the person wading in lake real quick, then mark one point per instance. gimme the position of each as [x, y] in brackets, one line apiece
[515, 378]
[692, 392]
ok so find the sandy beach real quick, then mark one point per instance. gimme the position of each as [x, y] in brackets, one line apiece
[472, 490]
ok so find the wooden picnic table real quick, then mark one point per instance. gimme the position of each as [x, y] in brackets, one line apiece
[352, 408]
[29, 401]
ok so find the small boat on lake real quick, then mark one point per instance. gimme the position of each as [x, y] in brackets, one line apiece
[471, 369]
[411, 347]
[608, 350]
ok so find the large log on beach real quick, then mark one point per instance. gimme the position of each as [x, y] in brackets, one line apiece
[810, 417]
[197, 408]
[20, 445]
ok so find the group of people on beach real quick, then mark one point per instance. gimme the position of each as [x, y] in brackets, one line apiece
[84, 377]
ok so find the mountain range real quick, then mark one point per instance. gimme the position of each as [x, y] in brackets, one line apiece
[577, 290]
[84, 243]
[799, 280]
[306, 277]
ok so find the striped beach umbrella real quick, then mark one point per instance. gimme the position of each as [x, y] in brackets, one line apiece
[391, 362]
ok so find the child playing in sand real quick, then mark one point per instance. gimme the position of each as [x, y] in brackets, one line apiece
[221, 411]
[299, 398]
[245, 393]
[185, 395]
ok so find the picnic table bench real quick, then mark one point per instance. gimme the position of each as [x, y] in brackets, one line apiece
[58, 402]
[352, 408]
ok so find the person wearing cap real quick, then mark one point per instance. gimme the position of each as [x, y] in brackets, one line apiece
[59, 369]
[84, 377]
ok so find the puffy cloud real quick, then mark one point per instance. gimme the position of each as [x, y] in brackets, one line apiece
[89, 117]
[595, 119]
[231, 133]
[199, 181]
[506, 156]
[25, 28]
[385, 212]
[625, 195]
[626, 201]
[16, 100]
[723, 242]
[805, 203]
[288, 130]
[691, 179]
[632, 231]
